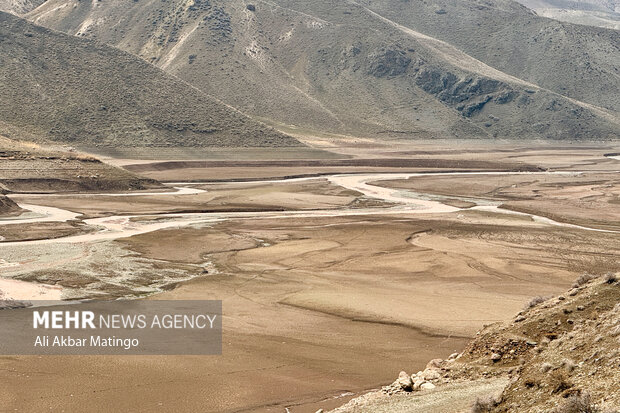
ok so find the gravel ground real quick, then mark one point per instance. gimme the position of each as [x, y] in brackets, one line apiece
[451, 398]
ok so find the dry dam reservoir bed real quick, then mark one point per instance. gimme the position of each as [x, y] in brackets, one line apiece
[294, 262]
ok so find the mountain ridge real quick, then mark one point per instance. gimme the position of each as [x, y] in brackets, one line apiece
[577, 63]
[342, 68]
[65, 89]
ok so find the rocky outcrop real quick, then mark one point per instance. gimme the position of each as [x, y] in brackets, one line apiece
[388, 62]
[7, 206]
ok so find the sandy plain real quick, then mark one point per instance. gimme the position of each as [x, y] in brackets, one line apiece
[317, 309]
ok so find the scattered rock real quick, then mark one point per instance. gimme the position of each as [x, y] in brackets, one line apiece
[251, 7]
[496, 357]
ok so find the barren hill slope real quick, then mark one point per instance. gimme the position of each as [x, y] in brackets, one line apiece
[77, 91]
[337, 67]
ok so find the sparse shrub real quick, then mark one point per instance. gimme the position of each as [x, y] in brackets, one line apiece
[569, 365]
[611, 278]
[82, 157]
[535, 301]
[531, 382]
[559, 381]
[578, 403]
[484, 404]
[584, 279]
[545, 367]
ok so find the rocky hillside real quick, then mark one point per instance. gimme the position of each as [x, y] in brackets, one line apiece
[575, 61]
[77, 91]
[374, 67]
[560, 355]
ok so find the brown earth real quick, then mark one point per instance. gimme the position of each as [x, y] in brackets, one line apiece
[314, 307]
[364, 155]
[288, 284]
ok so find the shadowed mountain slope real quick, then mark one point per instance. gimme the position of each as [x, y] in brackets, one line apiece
[355, 68]
[61, 88]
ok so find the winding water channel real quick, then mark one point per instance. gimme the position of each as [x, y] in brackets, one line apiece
[121, 226]
[405, 202]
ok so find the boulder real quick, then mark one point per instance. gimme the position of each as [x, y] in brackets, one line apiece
[417, 382]
[427, 386]
[404, 381]
[431, 374]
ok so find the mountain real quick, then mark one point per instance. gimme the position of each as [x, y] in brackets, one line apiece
[61, 88]
[373, 68]
[19, 6]
[579, 62]
[602, 13]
